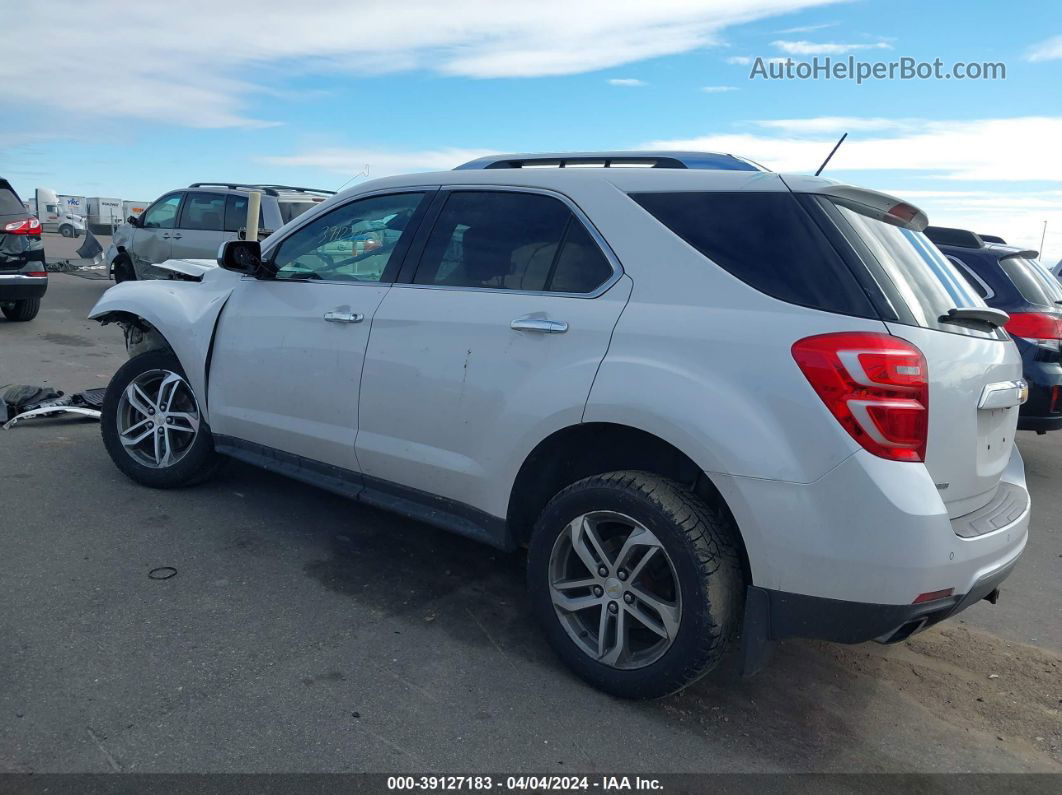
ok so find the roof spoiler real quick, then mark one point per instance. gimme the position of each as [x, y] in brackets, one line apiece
[880, 206]
[1027, 254]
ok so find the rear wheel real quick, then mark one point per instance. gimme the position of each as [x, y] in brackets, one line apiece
[636, 581]
[23, 310]
[123, 269]
[152, 427]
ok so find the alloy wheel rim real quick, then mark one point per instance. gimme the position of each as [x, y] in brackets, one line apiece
[615, 590]
[158, 418]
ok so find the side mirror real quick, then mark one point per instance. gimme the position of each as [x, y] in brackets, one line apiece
[132, 220]
[243, 256]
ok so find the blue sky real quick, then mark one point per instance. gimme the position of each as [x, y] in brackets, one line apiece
[116, 100]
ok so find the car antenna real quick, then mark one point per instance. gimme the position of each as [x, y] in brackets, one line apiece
[831, 154]
[363, 173]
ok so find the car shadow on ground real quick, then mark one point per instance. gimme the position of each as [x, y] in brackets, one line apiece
[830, 705]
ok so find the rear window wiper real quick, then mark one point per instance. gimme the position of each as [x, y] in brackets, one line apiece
[976, 315]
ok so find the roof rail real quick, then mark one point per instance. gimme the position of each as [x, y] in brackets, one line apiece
[268, 189]
[301, 190]
[948, 236]
[614, 159]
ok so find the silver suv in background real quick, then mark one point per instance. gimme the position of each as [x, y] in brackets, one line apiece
[192, 222]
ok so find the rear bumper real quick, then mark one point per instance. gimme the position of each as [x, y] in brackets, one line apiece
[777, 615]
[16, 287]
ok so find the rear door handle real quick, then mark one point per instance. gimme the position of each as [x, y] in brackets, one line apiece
[344, 317]
[539, 325]
[178, 237]
[166, 236]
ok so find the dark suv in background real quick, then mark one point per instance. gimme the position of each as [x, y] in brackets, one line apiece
[1013, 280]
[23, 279]
[192, 222]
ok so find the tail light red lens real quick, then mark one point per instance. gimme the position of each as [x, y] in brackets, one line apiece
[23, 226]
[1035, 326]
[876, 385]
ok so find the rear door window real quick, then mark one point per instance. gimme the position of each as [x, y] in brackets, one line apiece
[918, 279]
[203, 211]
[768, 241]
[511, 240]
[1036, 285]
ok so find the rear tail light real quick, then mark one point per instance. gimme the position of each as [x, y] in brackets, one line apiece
[876, 385]
[1035, 326]
[1053, 409]
[24, 226]
[38, 274]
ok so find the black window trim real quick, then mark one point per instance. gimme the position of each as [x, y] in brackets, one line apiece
[185, 203]
[989, 292]
[416, 250]
[398, 258]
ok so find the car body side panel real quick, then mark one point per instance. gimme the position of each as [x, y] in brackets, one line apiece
[183, 312]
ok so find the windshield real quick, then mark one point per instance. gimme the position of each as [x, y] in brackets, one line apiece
[1035, 284]
[921, 277]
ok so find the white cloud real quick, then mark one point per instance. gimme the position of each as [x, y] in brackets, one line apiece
[828, 48]
[739, 60]
[718, 89]
[627, 81]
[196, 63]
[807, 28]
[381, 162]
[837, 124]
[1024, 148]
[1049, 50]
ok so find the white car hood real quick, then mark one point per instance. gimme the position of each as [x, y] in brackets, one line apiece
[195, 268]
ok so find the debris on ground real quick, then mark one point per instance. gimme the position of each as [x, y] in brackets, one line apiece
[23, 401]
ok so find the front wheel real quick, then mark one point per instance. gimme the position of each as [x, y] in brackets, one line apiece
[66, 230]
[23, 310]
[636, 581]
[123, 270]
[151, 424]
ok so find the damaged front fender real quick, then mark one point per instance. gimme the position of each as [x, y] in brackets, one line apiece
[179, 315]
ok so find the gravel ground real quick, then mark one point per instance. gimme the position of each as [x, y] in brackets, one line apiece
[303, 632]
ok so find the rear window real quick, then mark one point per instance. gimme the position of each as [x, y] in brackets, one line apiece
[1035, 284]
[236, 213]
[289, 210]
[768, 241]
[10, 203]
[920, 278]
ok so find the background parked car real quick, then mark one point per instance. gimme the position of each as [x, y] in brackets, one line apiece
[192, 222]
[1011, 279]
[23, 279]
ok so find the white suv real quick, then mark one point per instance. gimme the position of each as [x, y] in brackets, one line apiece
[713, 401]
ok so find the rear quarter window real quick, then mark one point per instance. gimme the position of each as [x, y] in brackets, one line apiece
[768, 240]
[10, 204]
[1035, 284]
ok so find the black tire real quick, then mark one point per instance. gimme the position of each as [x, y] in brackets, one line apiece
[21, 311]
[123, 269]
[66, 230]
[200, 461]
[702, 544]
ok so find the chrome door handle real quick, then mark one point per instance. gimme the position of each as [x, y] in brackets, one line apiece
[178, 237]
[166, 236]
[344, 317]
[539, 325]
